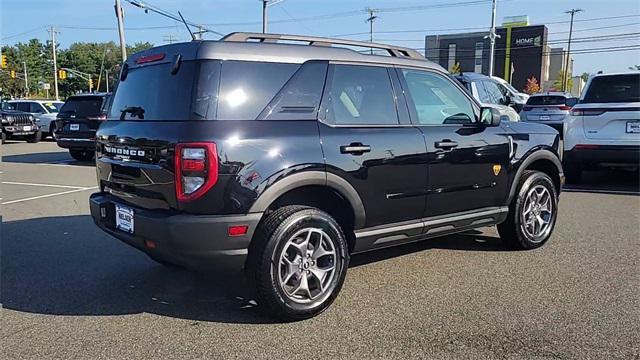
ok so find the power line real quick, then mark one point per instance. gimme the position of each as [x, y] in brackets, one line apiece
[39, 28]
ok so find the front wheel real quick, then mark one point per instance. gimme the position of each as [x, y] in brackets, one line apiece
[35, 137]
[532, 212]
[81, 154]
[299, 262]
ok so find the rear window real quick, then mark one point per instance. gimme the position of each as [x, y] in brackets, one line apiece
[201, 90]
[614, 89]
[547, 100]
[82, 106]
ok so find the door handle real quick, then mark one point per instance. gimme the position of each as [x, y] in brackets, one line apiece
[355, 149]
[446, 144]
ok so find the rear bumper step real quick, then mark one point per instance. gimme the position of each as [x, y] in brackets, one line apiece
[193, 241]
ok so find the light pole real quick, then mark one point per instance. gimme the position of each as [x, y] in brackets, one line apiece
[566, 61]
[492, 38]
[55, 62]
[265, 5]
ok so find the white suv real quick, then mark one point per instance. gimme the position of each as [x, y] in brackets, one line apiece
[603, 129]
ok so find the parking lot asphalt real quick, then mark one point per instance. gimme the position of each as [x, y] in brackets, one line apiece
[70, 291]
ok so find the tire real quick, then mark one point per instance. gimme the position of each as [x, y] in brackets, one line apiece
[4, 138]
[35, 137]
[281, 236]
[52, 130]
[81, 154]
[516, 231]
[572, 173]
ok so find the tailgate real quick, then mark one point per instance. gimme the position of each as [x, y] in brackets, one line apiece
[614, 123]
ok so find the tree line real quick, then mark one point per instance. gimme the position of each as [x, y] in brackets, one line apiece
[87, 58]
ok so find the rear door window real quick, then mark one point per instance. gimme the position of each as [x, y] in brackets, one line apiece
[550, 100]
[360, 95]
[82, 106]
[36, 108]
[614, 88]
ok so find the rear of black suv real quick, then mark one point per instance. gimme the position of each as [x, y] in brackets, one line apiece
[179, 164]
[77, 123]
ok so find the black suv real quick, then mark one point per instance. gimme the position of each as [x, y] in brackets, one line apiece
[77, 122]
[286, 159]
[18, 124]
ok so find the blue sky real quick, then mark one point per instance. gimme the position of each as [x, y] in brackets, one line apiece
[25, 19]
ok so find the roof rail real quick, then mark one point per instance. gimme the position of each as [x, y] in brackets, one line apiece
[396, 51]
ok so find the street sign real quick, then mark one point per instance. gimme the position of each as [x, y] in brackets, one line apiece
[46, 86]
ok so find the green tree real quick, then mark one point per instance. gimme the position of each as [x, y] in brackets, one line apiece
[557, 84]
[634, 67]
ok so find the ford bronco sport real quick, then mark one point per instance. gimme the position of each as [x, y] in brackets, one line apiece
[285, 159]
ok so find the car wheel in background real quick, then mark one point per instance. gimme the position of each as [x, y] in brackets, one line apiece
[532, 212]
[299, 262]
[52, 130]
[82, 154]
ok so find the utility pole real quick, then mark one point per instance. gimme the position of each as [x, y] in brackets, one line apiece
[492, 38]
[123, 44]
[370, 19]
[106, 78]
[55, 61]
[26, 82]
[566, 61]
[265, 4]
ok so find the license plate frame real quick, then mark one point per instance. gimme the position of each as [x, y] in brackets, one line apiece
[125, 219]
[26, 128]
[633, 127]
[544, 118]
[74, 127]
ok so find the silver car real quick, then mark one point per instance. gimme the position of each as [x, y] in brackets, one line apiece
[550, 108]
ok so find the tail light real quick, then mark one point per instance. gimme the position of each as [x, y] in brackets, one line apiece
[101, 117]
[586, 112]
[565, 107]
[196, 168]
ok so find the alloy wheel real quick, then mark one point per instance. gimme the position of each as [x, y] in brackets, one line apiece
[537, 213]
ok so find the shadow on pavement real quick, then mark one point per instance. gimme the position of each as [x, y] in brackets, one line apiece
[59, 157]
[67, 266]
[611, 181]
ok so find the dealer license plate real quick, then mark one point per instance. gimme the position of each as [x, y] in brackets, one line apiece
[544, 117]
[26, 128]
[74, 127]
[633, 127]
[124, 218]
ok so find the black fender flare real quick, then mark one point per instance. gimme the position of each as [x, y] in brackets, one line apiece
[307, 178]
[535, 156]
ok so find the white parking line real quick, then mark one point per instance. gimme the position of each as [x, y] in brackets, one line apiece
[49, 195]
[43, 185]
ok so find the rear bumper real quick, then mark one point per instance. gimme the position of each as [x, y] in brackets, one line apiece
[75, 143]
[598, 155]
[193, 241]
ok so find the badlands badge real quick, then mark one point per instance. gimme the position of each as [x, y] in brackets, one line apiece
[496, 169]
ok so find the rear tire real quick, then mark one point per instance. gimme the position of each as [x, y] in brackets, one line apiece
[298, 261]
[52, 130]
[532, 212]
[35, 137]
[81, 154]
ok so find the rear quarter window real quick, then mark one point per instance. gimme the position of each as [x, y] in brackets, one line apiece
[613, 88]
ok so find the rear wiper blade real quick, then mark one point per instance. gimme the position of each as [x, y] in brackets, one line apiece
[133, 110]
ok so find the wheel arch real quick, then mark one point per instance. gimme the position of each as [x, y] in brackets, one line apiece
[307, 181]
[541, 160]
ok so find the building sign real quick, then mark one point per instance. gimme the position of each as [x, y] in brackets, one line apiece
[530, 41]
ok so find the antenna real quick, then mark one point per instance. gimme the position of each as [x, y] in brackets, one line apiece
[193, 37]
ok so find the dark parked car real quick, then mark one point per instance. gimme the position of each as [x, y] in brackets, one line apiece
[18, 125]
[550, 108]
[286, 159]
[77, 122]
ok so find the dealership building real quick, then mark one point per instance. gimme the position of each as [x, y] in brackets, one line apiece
[521, 52]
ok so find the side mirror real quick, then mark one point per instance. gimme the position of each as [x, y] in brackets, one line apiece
[571, 102]
[490, 116]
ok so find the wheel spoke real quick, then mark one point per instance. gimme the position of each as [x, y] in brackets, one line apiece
[320, 251]
[291, 269]
[303, 246]
[303, 286]
[319, 275]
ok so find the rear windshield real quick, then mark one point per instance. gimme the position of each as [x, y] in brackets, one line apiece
[547, 100]
[82, 106]
[200, 90]
[614, 88]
